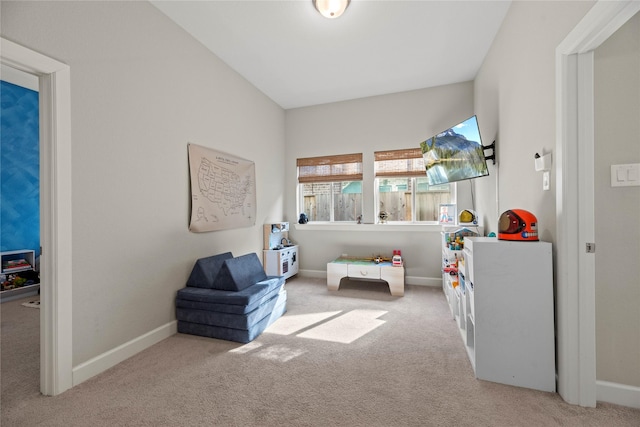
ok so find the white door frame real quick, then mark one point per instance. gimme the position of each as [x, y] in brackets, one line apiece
[56, 355]
[575, 278]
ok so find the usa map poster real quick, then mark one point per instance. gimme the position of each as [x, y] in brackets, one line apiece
[223, 190]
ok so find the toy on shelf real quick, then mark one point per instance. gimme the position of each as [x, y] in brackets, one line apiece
[468, 216]
[455, 240]
[451, 269]
[12, 281]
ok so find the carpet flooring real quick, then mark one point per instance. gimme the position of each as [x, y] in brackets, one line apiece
[353, 357]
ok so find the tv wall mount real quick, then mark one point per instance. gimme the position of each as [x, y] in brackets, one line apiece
[491, 147]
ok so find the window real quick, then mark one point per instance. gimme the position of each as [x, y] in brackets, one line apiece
[330, 187]
[402, 189]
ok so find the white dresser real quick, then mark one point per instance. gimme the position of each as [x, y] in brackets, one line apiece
[505, 311]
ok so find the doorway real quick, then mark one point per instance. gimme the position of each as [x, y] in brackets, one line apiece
[20, 223]
[56, 373]
[575, 198]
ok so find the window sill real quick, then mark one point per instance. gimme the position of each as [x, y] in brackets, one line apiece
[351, 226]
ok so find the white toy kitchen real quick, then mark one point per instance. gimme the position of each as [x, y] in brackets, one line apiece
[280, 256]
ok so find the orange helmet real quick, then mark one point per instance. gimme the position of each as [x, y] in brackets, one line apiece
[518, 224]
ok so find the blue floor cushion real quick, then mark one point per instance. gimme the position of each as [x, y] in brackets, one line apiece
[239, 273]
[227, 320]
[230, 298]
[233, 334]
[205, 270]
[240, 302]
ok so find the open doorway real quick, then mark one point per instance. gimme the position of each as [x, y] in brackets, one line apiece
[20, 231]
[56, 373]
[575, 276]
[20, 184]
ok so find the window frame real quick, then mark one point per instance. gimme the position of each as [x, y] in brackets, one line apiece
[331, 170]
[415, 171]
[403, 164]
[332, 219]
[376, 196]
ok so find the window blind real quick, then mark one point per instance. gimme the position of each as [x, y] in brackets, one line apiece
[344, 167]
[407, 162]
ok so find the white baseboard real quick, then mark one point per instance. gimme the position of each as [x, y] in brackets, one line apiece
[409, 280]
[619, 394]
[101, 363]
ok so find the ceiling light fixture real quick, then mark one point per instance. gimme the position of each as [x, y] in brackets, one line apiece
[331, 8]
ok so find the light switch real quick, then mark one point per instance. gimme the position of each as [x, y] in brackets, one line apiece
[625, 175]
[545, 180]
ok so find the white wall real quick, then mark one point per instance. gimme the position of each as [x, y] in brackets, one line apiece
[515, 91]
[366, 125]
[141, 89]
[617, 141]
[515, 88]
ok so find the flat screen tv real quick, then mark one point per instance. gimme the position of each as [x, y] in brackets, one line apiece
[455, 154]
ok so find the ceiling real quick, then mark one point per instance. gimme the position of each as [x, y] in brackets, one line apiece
[299, 58]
